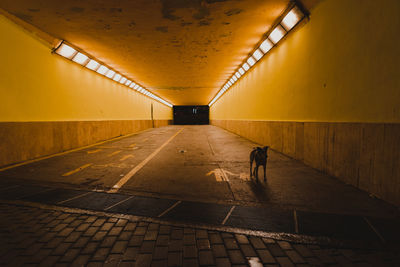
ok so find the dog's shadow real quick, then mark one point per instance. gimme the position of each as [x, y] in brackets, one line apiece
[260, 189]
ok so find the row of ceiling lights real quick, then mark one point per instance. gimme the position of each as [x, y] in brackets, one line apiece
[70, 53]
[292, 18]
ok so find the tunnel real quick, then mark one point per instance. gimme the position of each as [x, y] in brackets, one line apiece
[200, 133]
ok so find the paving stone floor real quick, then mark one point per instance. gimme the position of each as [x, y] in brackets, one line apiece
[32, 235]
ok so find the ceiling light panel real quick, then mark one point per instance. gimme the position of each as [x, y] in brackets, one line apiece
[102, 70]
[290, 20]
[277, 34]
[81, 58]
[92, 64]
[66, 51]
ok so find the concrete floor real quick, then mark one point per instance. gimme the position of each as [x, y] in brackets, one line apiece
[201, 163]
[201, 174]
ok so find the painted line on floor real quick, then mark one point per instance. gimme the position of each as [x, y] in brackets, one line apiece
[375, 230]
[128, 176]
[68, 151]
[169, 209]
[94, 151]
[78, 169]
[126, 157]
[116, 204]
[296, 222]
[228, 215]
[75, 197]
[114, 153]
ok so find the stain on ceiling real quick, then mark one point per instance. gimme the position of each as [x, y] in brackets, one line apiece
[181, 50]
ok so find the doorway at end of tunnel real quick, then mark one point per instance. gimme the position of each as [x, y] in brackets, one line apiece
[191, 114]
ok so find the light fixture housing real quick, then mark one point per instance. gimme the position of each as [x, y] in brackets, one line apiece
[110, 74]
[80, 58]
[251, 61]
[245, 66]
[292, 18]
[92, 64]
[117, 77]
[266, 46]
[102, 70]
[258, 54]
[277, 34]
[66, 51]
[123, 80]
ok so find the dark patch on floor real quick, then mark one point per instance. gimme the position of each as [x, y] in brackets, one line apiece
[132, 24]
[107, 27]
[162, 29]
[234, 11]
[115, 9]
[33, 9]
[77, 9]
[204, 23]
[183, 24]
[201, 13]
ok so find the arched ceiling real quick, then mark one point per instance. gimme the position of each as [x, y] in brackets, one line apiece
[182, 50]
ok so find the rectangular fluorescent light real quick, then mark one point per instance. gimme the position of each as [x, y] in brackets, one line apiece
[66, 51]
[246, 66]
[277, 34]
[241, 71]
[80, 58]
[258, 54]
[234, 78]
[102, 70]
[237, 74]
[266, 46]
[251, 61]
[110, 74]
[292, 18]
[123, 80]
[92, 64]
[117, 77]
[229, 83]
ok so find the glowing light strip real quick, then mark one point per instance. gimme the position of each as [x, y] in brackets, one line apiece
[91, 63]
[291, 19]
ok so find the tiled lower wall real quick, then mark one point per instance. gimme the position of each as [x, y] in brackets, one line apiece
[365, 155]
[20, 141]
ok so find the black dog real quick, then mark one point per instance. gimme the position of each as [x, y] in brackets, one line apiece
[260, 156]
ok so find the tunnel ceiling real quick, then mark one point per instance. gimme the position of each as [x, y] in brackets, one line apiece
[182, 50]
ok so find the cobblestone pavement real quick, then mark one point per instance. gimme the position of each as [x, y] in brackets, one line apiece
[32, 235]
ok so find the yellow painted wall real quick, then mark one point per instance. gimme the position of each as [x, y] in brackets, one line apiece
[341, 66]
[36, 85]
